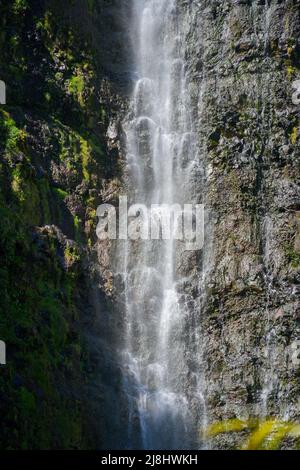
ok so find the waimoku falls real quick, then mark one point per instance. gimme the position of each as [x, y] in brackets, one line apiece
[161, 360]
[117, 330]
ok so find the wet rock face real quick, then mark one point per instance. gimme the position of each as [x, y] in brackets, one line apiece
[243, 59]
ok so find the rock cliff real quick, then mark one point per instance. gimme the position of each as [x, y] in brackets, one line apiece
[243, 60]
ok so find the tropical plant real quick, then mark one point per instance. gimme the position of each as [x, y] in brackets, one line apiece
[262, 435]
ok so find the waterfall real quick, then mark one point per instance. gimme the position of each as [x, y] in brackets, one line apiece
[161, 356]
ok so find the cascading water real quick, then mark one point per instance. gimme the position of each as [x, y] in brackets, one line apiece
[161, 359]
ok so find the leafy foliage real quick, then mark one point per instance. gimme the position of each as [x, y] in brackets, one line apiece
[266, 435]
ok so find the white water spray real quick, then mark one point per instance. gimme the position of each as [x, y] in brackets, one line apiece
[161, 359]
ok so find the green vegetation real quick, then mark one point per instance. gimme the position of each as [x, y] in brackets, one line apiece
[51, 159]
[293, 257]
[19, 6]
[37, 311]
[267, 435]
[11, 137]
[61, 193]
[76, 88]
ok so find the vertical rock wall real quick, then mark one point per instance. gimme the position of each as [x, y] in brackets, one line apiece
[244, 57]
[68, 76]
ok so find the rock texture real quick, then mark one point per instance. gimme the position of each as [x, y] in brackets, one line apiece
[65, 74]
[243, 59]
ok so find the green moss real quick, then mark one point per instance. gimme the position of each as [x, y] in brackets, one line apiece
[27, 194]
[71, 254]
[45, 24]
[11, 137]
[47, 96]
[293, 257]
[80, 152]
[91, 5]
[78, 228]
[76, 88]
[294, 135]
[52, 77]
[44, 195]
[86, 158]
[37, 299]
[214, 139]
[20, 6]
[61, 194]
[27, 401]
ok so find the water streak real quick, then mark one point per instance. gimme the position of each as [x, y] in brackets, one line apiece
[161, 356]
